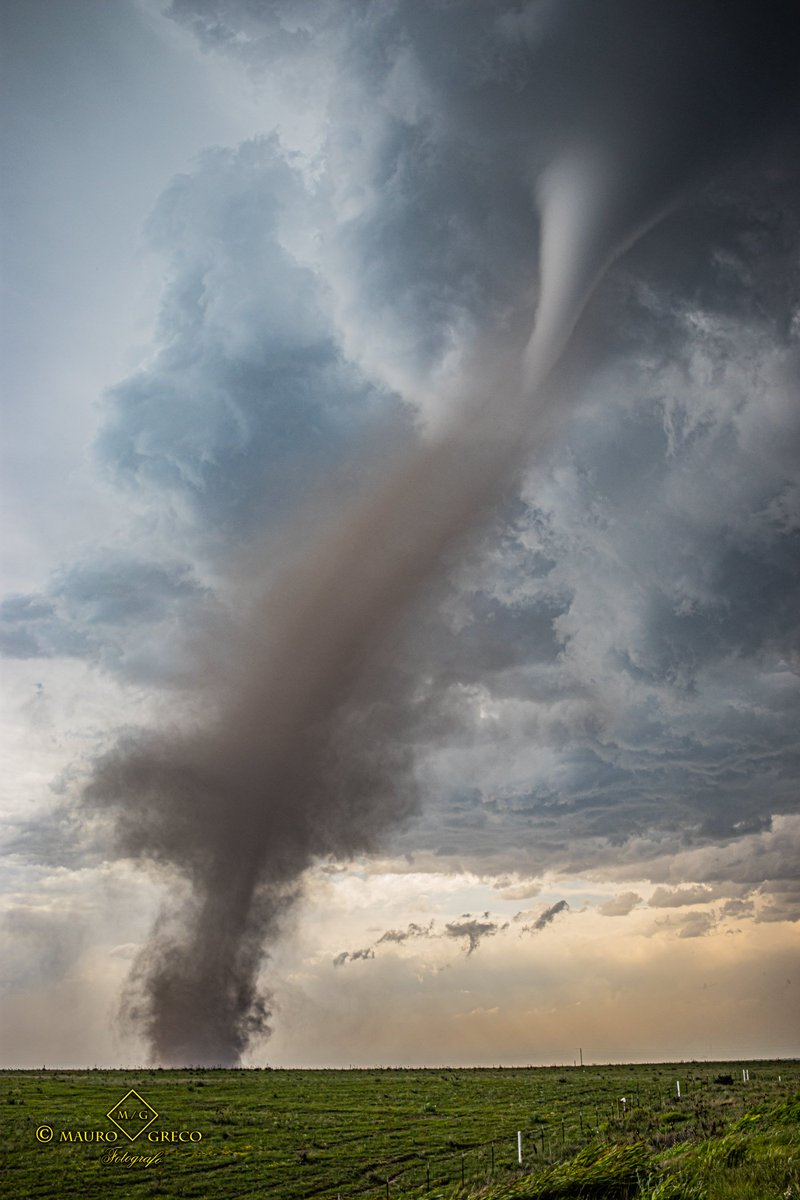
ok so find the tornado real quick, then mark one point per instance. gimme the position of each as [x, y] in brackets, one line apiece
[298, 752]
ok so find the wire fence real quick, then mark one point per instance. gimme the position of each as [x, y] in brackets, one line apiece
[525, 1151]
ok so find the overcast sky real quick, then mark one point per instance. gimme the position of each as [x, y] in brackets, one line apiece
[256, 254]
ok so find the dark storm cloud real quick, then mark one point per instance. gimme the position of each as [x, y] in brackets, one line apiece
[63, 840]
[18, 642]
[473, 929]
[25, 608]
[782, 900]
[469, 929]
[695, 924]
[546, 917]
[408, 90]
[354, 956]
[737, 908]
[454, 108]
[398, 936]
[664, 549]
[117, 611]
[680, 897]
[621, 905]
[116, 591]
[248, 396]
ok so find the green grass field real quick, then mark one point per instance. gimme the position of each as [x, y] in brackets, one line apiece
[292, 1134]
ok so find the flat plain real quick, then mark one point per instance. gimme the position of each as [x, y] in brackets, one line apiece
[612, 1130]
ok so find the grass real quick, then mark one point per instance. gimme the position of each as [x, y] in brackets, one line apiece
[299, 1135]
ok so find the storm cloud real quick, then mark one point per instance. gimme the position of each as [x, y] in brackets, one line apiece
[564, 612]
[546, 917]
[473, 929]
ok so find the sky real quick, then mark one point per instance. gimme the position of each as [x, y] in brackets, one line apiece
[385, 682]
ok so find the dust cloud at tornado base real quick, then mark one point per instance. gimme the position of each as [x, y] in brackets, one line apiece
[299, 751]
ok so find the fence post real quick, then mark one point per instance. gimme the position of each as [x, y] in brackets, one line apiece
[519, 1146]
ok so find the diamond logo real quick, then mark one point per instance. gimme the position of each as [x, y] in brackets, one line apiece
[132, 1115]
